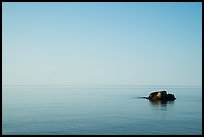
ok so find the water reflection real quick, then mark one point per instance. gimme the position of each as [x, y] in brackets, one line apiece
[161, 104]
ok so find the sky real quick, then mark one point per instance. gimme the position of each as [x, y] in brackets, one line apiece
[101, 43]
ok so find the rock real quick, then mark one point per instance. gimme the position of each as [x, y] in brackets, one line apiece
[170, 97]
[161, 95]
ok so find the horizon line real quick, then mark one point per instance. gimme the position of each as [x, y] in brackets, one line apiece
[98, 85]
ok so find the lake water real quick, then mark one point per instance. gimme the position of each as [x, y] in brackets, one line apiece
[94, 110]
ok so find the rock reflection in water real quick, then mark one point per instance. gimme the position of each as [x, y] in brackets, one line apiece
[162, 104]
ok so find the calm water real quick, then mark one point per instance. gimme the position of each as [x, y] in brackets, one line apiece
[100, 110]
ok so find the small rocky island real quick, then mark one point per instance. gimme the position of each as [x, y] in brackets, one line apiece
[161, 95]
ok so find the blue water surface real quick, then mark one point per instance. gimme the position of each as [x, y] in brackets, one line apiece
[95, 110]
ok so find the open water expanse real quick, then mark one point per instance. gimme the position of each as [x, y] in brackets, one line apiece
[94, 110]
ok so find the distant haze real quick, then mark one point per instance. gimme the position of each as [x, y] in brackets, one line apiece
[102, 43]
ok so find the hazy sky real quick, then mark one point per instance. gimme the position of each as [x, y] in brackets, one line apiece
[102, 43]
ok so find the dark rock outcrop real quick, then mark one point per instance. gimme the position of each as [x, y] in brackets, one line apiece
[161, 95]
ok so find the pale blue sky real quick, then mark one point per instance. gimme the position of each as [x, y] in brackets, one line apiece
[102, 43]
